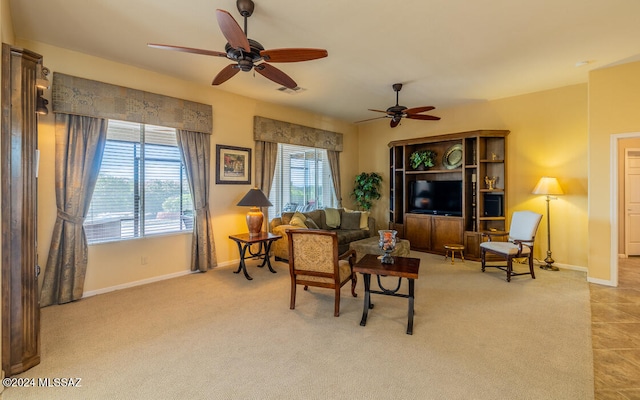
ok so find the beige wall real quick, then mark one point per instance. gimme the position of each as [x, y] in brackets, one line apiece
[614, 95]
[117, 264]
[548, 137]
[6, 23]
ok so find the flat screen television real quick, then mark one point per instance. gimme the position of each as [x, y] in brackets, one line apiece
[435, 197]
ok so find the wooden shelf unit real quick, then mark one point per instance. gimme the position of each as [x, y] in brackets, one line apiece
[483, 209]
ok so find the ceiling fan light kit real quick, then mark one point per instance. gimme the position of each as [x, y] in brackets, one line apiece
[249, 54]
[397, 112]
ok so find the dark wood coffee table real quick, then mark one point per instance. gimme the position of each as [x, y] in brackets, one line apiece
[245, 240]
[403, 267]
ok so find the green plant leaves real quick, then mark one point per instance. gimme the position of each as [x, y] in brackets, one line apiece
[422, 157]
[366, 189]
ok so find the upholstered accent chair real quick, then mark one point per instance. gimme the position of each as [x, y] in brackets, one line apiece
[314, 261]
[519, 243]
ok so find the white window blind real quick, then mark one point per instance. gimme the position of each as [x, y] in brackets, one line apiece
[302, 180]
[141, 188]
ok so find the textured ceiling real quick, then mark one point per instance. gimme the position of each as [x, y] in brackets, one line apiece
[445, 52]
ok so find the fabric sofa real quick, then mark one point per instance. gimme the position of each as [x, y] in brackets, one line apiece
[348, 225]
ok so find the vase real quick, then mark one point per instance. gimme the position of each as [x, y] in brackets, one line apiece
[387, 244]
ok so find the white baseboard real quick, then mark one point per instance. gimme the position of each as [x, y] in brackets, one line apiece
[136, 283]
[582, 269]
[572, 267]
[150, 280]
[565, 266]
[600, 281]
[230, 262]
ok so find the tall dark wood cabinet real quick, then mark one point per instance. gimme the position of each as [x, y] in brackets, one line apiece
[465, 158]
[18, 158]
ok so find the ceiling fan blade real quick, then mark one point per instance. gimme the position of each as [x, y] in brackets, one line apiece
[232, 31]
[423, 117]
[187, 49]
[292, 55]
[418, 110]
[386, 112]
[369, 119]
[273, 73]
[395, 122]
[227, 73]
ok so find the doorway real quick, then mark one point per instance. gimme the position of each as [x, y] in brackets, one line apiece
[631, 208]
[618, 210]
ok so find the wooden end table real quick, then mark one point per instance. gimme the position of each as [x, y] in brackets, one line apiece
[245, 240]
[403, 267]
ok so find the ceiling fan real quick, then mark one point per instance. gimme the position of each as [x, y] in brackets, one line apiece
[249, 54]
[397, 112]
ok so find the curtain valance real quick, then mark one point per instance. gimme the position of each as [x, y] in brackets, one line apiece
[78, 96]
[271, 130]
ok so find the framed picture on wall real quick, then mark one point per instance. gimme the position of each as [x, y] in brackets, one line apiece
[233, 165]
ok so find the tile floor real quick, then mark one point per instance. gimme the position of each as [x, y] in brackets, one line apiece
[615, 323]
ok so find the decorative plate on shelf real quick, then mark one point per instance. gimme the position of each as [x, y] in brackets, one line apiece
[452, 158]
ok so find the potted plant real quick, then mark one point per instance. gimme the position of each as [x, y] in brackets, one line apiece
[366, 189]
[422, 158]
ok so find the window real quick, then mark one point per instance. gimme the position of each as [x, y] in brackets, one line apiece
[302, 180]
[142, 187]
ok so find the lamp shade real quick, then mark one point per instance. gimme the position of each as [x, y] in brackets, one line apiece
[255, 198]
[548, 186]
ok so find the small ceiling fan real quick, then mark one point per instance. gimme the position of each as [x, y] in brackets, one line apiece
[397, 112]
[249, 54]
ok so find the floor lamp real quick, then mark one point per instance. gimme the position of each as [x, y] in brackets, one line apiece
[549, 187]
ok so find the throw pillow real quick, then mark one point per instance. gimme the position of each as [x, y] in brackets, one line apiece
[298, 219]
[286, 218]
[311, 224]
[350, 221]
[364, 220]
[300, 215]
[364, 217]
[332, 217]
[295, 221]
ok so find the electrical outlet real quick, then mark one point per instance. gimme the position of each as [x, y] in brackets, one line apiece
[143, 260]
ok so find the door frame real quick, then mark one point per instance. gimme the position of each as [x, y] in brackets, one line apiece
[626, 192]
[614, 193]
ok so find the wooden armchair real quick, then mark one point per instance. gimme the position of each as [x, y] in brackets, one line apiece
[519, 244]
[314, 261]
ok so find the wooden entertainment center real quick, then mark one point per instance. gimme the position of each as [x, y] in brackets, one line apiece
[465, 157]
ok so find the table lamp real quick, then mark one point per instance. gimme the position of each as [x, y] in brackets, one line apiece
[255, 198]
[549, 187]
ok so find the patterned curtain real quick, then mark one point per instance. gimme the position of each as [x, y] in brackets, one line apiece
[266, 157]
[195, 148]
[271, 130]
[80, 143]
[334, 164]
[79, 96]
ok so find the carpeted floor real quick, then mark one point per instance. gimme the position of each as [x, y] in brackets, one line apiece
[218, 336]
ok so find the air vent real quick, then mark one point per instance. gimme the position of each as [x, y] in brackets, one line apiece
[295, 90]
